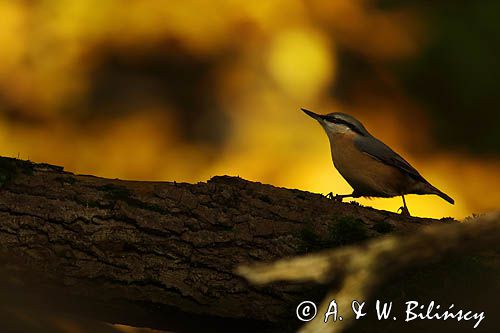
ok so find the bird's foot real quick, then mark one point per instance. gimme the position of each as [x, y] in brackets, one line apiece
[329, 196]
[336, 197]
[404, 211]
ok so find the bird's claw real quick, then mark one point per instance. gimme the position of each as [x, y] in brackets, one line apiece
[337, 197]
[404, 211]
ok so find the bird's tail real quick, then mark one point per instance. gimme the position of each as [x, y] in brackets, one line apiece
[442, 195]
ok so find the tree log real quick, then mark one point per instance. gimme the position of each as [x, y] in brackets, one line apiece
[163, 254]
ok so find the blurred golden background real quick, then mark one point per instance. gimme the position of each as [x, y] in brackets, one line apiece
[185, 90]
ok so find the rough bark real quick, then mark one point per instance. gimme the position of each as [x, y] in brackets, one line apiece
[163, 254]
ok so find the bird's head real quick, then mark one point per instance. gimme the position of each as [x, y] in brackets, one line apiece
[338, 123]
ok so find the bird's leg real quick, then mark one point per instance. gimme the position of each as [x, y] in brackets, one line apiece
[329, 195]
[404, 208]
[339, 197]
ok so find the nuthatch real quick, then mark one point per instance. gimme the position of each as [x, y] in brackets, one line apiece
[368, 165]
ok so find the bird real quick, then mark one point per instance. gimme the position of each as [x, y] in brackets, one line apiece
[371, 167]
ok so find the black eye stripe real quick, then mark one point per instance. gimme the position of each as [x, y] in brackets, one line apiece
[342, 121]
[337, 121]
[333, 119]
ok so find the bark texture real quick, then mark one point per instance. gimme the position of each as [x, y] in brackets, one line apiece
[163, 254]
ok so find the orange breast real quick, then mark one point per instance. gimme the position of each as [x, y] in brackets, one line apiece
[366, 175]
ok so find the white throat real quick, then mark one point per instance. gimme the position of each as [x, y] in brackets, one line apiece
[335, 129]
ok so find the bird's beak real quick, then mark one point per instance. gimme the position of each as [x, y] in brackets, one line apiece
[313, 115]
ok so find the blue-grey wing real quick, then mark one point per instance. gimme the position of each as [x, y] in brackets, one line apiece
[381, 152]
